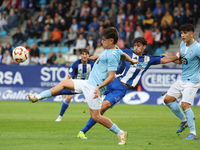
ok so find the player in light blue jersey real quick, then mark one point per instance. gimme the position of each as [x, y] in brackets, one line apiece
[184, 89]
[127, 75]
[80, 70]
[102, 74]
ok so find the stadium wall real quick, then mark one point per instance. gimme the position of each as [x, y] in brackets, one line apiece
[17, 81]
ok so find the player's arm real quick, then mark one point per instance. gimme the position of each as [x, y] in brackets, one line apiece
[167, 59]
[93, 58]
[126, 57]
[69, 76]
[110, 78]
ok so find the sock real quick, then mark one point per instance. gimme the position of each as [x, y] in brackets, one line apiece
[65, 105]
[89, 125]
[175, 108]
[115, 128]
[190, 119]
[44, 94]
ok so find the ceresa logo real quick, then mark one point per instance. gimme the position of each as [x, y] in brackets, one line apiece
[9, 78]
[53, 75]
[159, 79]
[135, 98]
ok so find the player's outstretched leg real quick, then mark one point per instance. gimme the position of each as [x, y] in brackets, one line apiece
[36, 97]
[191, 123]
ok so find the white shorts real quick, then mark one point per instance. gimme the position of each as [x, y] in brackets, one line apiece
[184, 91]
[81, 86]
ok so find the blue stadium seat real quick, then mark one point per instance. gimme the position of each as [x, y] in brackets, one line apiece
[159, 51]
[40, 49]
[3, 33]
[46, 49]
[37, 41]
[42, 2]
[64, 50]
[56, 49]
[30, 41]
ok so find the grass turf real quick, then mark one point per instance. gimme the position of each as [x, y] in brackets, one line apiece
[28, 126]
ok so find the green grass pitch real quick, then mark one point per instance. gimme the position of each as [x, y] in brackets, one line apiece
[28, 126]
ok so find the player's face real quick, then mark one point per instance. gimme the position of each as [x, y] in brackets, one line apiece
[186, 35]
[84, 56]
[107, 43]
[139, 48]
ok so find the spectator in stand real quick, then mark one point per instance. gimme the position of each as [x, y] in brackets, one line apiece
[30, 9]
[113, 8]
[82, 31]
[94, 7]
[99, 49]
[108, 24]
[34, 55]
[159, 6]
[167, 17]
[187, 6]
[27, 47]
[139, 21]
[120, 43]
[138, 32]
[56, 23]
[29, 31]
[149, 37]
[179, 18]
[149, 18]
[76, 4]
[51, 10]
[140, 7]
[166, 27]
[129, 9]
[175, 31]
[63, 29]
[41, 18]
[167, 8]
[120, 16]
[4, 6]
[60, 60]
[155, 26]
[121, 33]
[45, 37]
[22, 14]
[196, 13]
[8, 48]
[18, 38]
[85, 8]
[156, 38]
[75, 25]
[93, 33]
[12, 3]
[94, 24]
[121, 24]
[179, 7]
[51, 59]
[49, 22]
[128, 24]
[188, 18]
[159, 17]
[55, 36]
[71, 37]
[93, 14]
[12, 22]
[38, 29]
[81, 43]
[60, 10]
[7, 59]
[3, 21]
[165, 39]
[73, 12]
[90, 49]
[128, 38]
[84, 20]
[112, 16]
[91, 42]
[1, 50]
[68, 20]
[42, 59]
[99, 34]
[132, 19]
[173, 4]
[103, 16]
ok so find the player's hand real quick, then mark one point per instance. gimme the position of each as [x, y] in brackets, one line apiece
[96, 92]
[165, 55]
[133, 61]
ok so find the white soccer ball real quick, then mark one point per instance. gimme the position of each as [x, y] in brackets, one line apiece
[20, 54]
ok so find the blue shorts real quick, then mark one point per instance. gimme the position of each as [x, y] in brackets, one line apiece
[115, 91]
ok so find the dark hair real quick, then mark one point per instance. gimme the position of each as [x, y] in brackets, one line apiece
[140, 39]
[187, 27]
[84, 50]
[111, 33]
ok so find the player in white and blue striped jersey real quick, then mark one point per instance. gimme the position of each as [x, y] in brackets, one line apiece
[184, 89]
[80, 70]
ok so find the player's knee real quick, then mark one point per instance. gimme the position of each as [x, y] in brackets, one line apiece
[105, 106]
[169, 99]
[96, 118]
[185, 105]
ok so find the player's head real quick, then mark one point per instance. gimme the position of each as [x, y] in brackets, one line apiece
[139, 45]
[110, 37]
[187, 32]
[84, 53]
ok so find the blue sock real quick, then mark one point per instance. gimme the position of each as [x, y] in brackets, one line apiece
[65, 105]
[175, 108]
[190, 119]
[89, 125]
[115, 128]
[45, 94]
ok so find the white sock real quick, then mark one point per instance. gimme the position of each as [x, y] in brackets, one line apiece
[120, 133]
[193, 132]
[38, 96]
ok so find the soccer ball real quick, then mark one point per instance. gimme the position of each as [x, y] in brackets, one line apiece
[20, 54]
